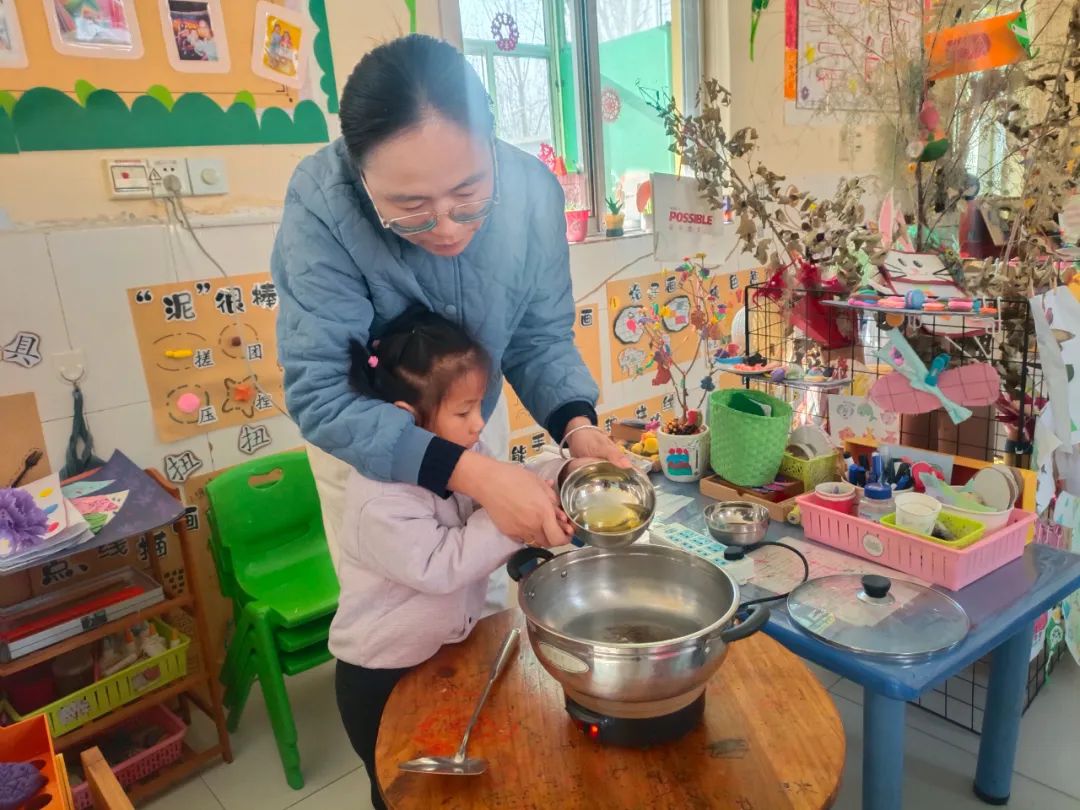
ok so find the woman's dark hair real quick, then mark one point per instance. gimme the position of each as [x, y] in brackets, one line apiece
[394, 86]
[415, 360]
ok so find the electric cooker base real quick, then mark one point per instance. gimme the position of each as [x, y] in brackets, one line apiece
[636, 732]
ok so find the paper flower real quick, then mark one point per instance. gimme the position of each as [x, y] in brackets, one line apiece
[22, 523]
[707, 384]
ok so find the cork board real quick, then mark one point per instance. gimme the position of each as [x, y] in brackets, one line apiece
[209, 352]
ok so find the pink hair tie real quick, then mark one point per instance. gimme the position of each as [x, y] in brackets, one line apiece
[373, 361]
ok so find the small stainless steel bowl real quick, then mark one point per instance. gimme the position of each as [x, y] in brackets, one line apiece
[737, 523]
[603, 485]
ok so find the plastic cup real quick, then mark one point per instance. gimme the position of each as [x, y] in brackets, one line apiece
[838, 495]
[917, 513]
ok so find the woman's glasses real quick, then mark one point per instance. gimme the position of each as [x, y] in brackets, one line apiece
[463, 213]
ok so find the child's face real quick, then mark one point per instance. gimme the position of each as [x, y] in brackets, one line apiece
[459, 418]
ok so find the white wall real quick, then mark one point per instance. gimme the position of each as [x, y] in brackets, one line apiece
[69, 285]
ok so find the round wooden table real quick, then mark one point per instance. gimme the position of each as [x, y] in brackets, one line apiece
[771, 738]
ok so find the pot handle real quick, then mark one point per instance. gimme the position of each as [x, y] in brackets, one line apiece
[756, 617]
[524, 561]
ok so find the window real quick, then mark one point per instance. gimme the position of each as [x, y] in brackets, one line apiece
[572, 74]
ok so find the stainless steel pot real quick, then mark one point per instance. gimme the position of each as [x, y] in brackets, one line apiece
[639, 624]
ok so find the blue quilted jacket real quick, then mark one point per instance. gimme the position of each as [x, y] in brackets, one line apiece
[340, 275]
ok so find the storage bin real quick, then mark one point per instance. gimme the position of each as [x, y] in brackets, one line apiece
[747, 447]
[930, 561]
[101, 697]
[146, 763]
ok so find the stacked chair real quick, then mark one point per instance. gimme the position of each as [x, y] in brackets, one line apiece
[269, 546]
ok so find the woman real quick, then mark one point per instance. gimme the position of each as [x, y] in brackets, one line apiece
[419, 203]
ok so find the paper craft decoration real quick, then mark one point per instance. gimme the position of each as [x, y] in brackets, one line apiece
[104, 29]
[12, 47]
[281, 44]
[978, 46]
[215, 339]
[915, 389]
[630, 352]
[65, 528]
[838, 45]
[194, 32]
[1056, 315]
[857, 419]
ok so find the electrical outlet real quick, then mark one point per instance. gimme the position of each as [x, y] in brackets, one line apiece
[127, 179]
[207, 176]
[161, 169]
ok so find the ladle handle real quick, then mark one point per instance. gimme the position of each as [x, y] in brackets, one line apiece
[496, 670]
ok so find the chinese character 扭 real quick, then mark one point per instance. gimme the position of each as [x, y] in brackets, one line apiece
[252, 439]
[179, 467]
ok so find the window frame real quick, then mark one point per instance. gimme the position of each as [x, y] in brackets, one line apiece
[586, 67]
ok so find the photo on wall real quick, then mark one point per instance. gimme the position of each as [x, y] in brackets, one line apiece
[12, 48]
[281, 43]
[194, 32]
[106, 29]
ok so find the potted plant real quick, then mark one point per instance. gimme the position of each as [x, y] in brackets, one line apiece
[684, 440]
[613, 219]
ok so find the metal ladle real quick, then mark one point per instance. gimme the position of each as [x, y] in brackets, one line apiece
[459, 765]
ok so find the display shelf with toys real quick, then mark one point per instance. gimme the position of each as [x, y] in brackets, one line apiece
[86, 686]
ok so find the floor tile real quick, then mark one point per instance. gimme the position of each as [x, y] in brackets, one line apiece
[849, 690]
[826, 677]
[936, 774]
[255, 780]
[190, 795]
[1048, 732]
[353, 791]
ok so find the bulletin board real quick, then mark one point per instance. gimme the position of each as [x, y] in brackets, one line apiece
[153, 95]
[831, 43]
[587, 341]
[209, 352]
[629, 347]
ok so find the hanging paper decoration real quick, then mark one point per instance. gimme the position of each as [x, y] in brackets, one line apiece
[504, 30]
[978, 46]
[756, 7]
[610, 104]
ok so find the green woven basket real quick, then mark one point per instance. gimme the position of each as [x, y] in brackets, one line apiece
[747, 447]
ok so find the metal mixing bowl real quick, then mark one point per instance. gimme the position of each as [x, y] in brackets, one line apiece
[601, 485]
[737, 523]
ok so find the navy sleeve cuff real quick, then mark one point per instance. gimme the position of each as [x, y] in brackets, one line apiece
[558, 421]
[438, 465]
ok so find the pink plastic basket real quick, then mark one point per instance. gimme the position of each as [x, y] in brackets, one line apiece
[929, 561]
[145, 764]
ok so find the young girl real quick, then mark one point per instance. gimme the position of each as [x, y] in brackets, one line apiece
[413, 565]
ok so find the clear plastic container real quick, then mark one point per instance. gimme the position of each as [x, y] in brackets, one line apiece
[876, 502]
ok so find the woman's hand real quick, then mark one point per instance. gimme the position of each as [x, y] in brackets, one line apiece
[521, 504]
[594, 444]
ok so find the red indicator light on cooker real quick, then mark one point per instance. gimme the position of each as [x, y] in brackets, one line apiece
[594, 731]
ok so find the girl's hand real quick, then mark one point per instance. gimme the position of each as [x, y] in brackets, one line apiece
[522, 505]
[594, 444]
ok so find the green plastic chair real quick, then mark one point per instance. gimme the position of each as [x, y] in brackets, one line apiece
[269, 546]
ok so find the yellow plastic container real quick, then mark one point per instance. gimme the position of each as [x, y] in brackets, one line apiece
[101, 697]
[811, 472]
[967, 532]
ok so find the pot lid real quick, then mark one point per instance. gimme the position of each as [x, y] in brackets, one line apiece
[876, 615]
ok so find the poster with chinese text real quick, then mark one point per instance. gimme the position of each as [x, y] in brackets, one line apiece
[209, 352]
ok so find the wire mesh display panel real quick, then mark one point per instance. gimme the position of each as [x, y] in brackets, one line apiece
[816, 329]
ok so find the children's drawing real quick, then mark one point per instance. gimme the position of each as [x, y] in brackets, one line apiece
[857, 419]
[209, 353]
[99, 510]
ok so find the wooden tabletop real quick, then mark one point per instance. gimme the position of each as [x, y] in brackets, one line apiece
[771, 738]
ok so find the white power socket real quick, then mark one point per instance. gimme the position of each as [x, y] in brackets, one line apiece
[162, 169]
[138, 178]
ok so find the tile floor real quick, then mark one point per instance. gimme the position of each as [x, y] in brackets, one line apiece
[940, 757]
